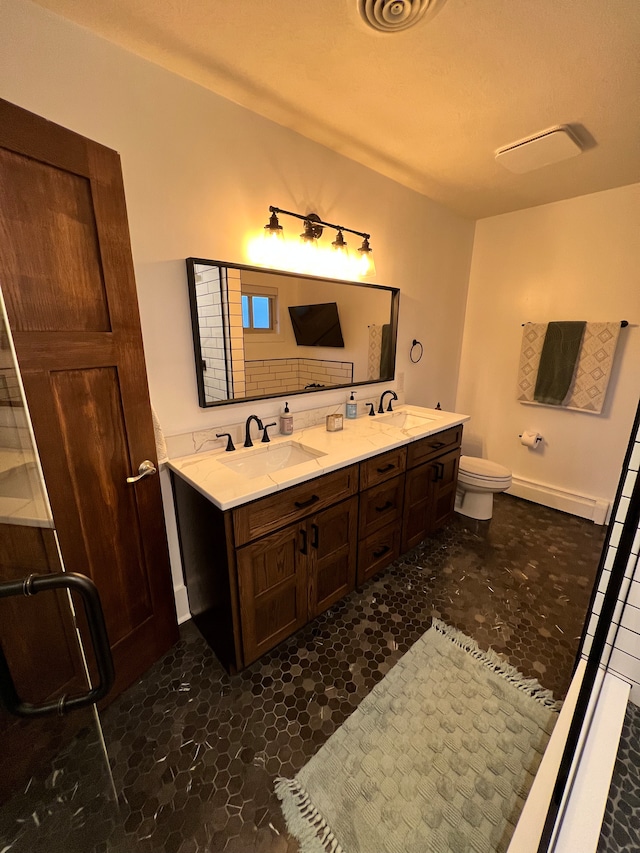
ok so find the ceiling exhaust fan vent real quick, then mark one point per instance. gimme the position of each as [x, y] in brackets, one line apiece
[392, 16]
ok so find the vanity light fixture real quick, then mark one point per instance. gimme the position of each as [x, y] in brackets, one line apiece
[273, 227]
[361, 265]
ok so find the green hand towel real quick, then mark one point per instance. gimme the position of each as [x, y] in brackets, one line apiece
[558, 360]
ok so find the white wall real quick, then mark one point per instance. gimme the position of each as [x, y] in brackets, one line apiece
[571, 260]
[199, 176]
[200, 173]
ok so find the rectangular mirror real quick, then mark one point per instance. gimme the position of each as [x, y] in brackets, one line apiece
[265, 333]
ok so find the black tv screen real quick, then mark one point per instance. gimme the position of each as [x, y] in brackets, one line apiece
[316, 325]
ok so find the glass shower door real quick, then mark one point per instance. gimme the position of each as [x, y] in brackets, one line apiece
[56, 788]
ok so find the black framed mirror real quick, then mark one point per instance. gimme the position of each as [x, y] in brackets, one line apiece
[261, 333]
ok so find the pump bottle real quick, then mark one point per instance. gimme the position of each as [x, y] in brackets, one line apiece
[286, 421]
[352, 407]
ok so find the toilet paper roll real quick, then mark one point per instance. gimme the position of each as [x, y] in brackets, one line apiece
[531, 439]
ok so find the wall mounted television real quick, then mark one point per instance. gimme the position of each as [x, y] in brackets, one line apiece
[316, 325]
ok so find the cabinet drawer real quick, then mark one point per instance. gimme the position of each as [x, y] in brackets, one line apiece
[252, 520]
[432, 446]
[377, 551]
[380, 506]
[382, 467]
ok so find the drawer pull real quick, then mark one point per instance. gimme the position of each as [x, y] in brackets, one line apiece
[438, 469]
[381, 551]
[303, 504]
[388, 505]
[388, 467]
[437, 444]
[303, 547]
[316, 536]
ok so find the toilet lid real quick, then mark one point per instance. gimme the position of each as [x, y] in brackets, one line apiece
[483, 468]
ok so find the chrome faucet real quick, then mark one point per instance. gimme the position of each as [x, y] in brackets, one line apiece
[247, 435]
[394, 396]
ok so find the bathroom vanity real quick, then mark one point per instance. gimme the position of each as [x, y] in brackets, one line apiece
[273, 535]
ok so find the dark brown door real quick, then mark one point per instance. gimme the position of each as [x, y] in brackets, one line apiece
[67, 278]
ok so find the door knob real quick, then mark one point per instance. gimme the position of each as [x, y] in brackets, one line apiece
[146, 469]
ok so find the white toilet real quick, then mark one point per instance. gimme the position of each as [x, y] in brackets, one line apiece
[478, 481]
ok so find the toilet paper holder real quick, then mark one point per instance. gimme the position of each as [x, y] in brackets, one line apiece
[530, 439]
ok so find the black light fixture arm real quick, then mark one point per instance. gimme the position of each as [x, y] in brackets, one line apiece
[315, 221]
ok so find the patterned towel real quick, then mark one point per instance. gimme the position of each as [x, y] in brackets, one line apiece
[593, 371]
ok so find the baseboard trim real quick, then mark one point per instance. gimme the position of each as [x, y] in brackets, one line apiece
[595, 509]
[182, 603]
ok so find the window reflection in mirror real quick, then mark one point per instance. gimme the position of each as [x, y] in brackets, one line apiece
[264, 333]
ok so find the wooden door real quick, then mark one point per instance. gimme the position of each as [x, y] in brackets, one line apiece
[333, 543]
[272, 586]
[39, 643]
[67, 278]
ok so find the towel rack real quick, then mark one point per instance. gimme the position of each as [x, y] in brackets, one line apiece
[623, 324]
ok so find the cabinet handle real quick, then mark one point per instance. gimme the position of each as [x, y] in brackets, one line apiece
[385, 468]
[303, 547]
[381, 551]
[388, 505]
[303, 504]
[438, 469]
[316, 536]
[437, 444]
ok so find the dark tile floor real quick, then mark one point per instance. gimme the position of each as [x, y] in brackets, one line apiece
[194, 751]
[621, 825]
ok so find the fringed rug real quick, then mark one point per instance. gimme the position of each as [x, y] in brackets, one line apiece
[438, 758]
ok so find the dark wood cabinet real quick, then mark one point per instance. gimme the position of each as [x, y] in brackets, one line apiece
[293, 575]
[429, 498]
[257, 573]
[272, 584]
[332, 545]
[378, 550]
[380, 506]
[265, 515]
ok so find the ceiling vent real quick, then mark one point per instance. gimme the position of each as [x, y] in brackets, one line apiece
[547, 147]
[392, 16]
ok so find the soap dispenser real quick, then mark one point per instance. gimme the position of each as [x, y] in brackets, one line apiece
[286, 421]
[352, 407]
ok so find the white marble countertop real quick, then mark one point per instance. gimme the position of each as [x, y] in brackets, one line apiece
[359, 439]
[22, 498]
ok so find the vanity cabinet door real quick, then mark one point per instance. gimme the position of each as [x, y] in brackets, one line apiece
[429, 497]
[333, 538]
[443, 490]
[272, 585]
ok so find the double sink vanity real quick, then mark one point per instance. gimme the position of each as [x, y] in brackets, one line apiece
[273, 535]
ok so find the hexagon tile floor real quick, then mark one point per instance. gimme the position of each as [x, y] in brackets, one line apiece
[194, 751]
[621, 824]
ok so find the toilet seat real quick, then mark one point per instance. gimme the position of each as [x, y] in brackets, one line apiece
[483, 473]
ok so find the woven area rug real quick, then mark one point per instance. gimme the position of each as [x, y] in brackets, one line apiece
[438, 758]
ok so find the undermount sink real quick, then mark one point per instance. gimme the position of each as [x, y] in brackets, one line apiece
[404, 420]
[265, 460]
